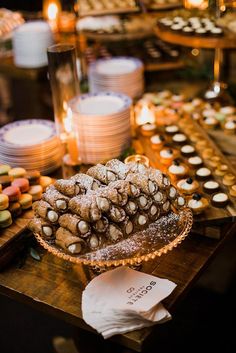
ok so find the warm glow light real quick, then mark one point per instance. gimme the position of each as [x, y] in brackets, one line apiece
[68, 118]
[146, 115]
[195, 52]
[52, 11]
[199, 4]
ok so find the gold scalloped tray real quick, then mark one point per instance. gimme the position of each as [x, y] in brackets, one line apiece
[159, 238]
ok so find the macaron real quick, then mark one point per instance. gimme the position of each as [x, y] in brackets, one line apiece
[45, 181]
[15, 209]
[17, 172]
[4, 169]
[25, 201]
[5, 219]
[36, 192]
[21, 183]
[0, 188]
[33, 177]
[4, 202]
[5, 180]
[12, 192]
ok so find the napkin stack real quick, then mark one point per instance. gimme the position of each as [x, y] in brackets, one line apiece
[124, 300]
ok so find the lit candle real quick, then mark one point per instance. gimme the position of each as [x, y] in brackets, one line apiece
[145, 115]
[72, 146]
[137, 158]
[196, 4]
[51, 9]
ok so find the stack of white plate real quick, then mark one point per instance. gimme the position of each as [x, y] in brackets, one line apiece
[31, 144]
[120, 74]
[30, 42]
[102, 124]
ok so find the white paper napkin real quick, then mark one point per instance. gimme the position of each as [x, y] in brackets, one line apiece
[123, 300]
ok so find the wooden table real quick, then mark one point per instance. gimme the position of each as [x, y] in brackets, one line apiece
[55, 286]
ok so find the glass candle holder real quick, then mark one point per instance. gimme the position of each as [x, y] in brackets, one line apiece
[64, 86]
[138, 158]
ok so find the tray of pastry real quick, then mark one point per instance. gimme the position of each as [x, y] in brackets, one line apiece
[162, 4]
[106, 7]
[195, 165]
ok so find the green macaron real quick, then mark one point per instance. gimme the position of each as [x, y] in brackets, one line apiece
[5, 219]
[4, 169]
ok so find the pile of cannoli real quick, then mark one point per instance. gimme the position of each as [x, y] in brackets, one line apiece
[104, 206]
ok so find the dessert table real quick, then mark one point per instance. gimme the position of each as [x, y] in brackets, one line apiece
[55, 286]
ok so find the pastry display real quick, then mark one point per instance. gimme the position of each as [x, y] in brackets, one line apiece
[211, 186]
[93, 7]
[157, 141]
[126, 199]
[220, 199]
[18, 189]
[187, 186]
[198, 203]
[148, 129]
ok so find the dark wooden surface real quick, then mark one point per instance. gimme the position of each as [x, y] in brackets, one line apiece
[55, 286]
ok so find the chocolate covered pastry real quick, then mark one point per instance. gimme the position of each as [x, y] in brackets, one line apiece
[67, 241]
[57, 200]
[75, 225]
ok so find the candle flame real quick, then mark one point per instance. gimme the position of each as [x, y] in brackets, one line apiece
[200, 4]
[52, 11]
[68, 122]
[146, 115]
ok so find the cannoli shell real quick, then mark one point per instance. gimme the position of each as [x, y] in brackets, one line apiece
[68, 187]
[102, 173]
[85, 206]
[65, 239]
[86, 182]
[71, 223]
[42, 227]
[52, 196]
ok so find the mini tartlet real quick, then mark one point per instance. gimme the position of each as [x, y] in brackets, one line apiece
[229, 179]
[148, 129]
[203, 173]
[177, 170]
[167, 155]
[209, 122]
[220, 199]
[157, 141]
[211, 186]
[232, 190]
[187, 186]
[221, 169]
[198, 203]
[171, 129]
[179, 138]
[187, 150]
[195, 161]
[230, 127]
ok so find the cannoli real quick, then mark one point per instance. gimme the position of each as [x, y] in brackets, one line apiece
[116, 192]
[154, 212]
[165, 208]
[69, 187]
[144, 201]
[131, 207]
[86, 182]
[43, 228]
[114, 233]
[75, 225]
[120, 168]
[95, 241]
[143, 182]
[45, 211]
[140, 220]
[116, 214]
[57, 200]
[101, 225]
[127, 226]
[67, 241]
[160, 196]
[179, 202]
[124, 189]
[102, 173]
[86, 207]
[136, 167]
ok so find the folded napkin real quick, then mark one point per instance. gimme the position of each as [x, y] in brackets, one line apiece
[123, 300]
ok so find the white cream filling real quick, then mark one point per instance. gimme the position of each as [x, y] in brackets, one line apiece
[52, 216]
[166, 154]
[195, 160]
[203, 172]
[172, 129]
[156, 139]
[227, 110]
[179, 138]
[220, 197]
[83, 227]
[47, 231]
[211, 185]
[187, 149]
[230, 125]
[148, 127]
[182, 184]
[176, 169]
[61, 204]
[195, 203]
[210, 120]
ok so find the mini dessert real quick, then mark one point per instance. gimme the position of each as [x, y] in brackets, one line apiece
[200, 31]
[195, 162]
[207, 153]
[17, 172]
[5, 181]
[216, 32]
[227, 110]
[198, 203]
[45, 181]
[188, 30]
[12, 192]
[167, 155]
[157, 141]
[187, 186]
[211, 186]
[36, 192]
[209, 122]
[4, 169]
[15, 209]
[187, 150]
[4, 202]
[214, 161]
[220, 200]
[5, 219]
[232, 190]
[33, 177]
[221, 169]
[179, 138]
[171, 129]
[195, 137]
[177, 170]
[230, 127]
[148, 129]
[229, 179]
[203, 173]
[21, 183]
[25, 201]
